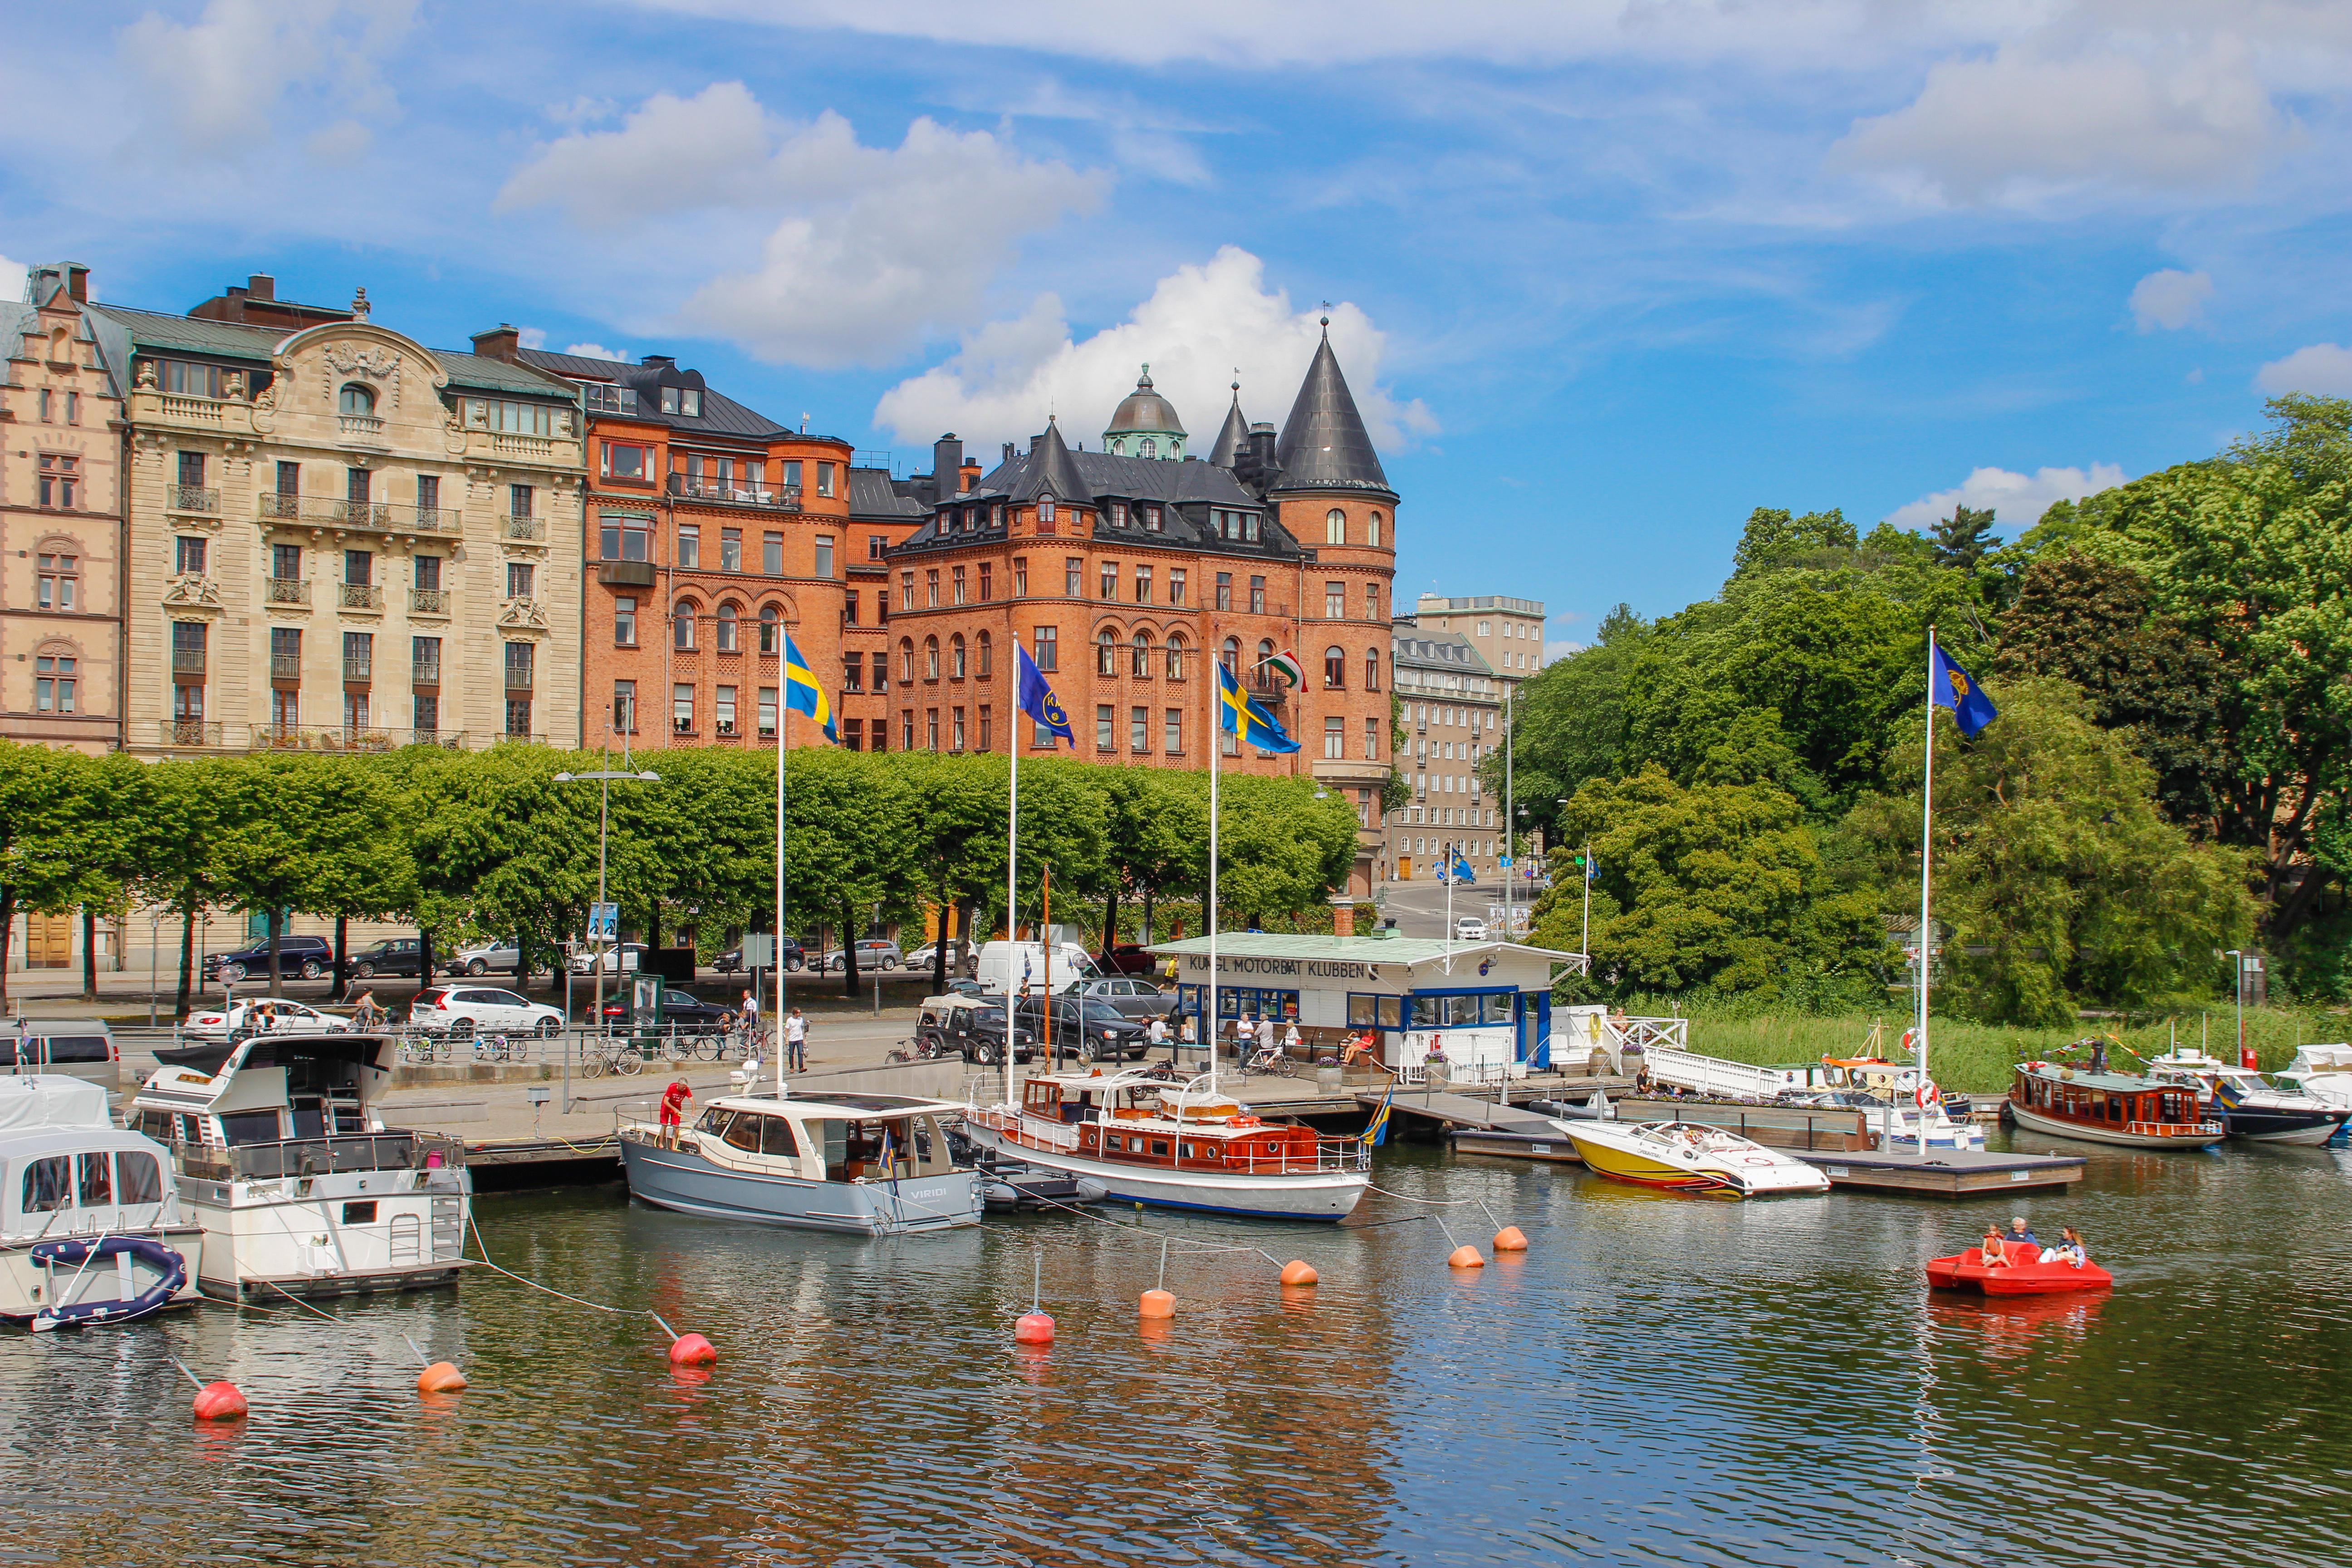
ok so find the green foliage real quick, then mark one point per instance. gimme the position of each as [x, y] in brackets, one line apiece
[1963, 539]
[1775, 538]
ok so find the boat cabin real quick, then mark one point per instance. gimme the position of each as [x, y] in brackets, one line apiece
[840, 1138]
[283, 1105]
[67, 1170]
[1128, 1118]
[2119, 1102]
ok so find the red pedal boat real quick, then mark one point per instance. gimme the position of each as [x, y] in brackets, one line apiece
[1969, 1271]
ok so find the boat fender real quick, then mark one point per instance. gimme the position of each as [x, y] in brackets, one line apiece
[1033, 1329]
[692, 1349]
[219, 1401]
[1298, 1273]
[1465, 1257]
[1157, 1304]
[441, 1377]
[1510, 1238]
[1092, 1191]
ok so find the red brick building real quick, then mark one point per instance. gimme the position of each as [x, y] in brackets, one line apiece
[1119, 572]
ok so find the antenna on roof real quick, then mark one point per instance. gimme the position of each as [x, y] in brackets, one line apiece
[803, 423]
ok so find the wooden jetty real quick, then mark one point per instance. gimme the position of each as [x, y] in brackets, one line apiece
[1948, 1173]
[504, 1164]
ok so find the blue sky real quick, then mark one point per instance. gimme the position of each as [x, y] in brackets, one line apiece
[1604, 275]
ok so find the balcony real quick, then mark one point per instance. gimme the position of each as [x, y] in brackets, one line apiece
[428, 601]
[285, 590]
[344, 738]
[285, 667]
[188, 733]
[521, 445]
[425, 672]
[782, 499]
[196, 410]
[365, 430]
[531, 528]
[191, 497]
[358, 672]
[626, 574]
[361, 596]
[187, 661]
[518, 681]
[363, 516]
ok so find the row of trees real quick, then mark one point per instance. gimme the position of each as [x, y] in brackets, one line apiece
[2170, 777]
[470, 845]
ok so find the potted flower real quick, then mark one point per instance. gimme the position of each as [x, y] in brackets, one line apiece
[1327, 1073]
[1435, 1069]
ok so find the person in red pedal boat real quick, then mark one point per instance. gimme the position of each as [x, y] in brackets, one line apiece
[1994, 1250]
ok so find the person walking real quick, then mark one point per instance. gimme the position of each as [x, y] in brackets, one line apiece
[796, 1042]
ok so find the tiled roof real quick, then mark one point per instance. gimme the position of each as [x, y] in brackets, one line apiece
[150, 330]
[872, 497]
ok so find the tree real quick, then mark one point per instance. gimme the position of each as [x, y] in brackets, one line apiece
[49, 812]
[1569, 725]
[1963, 539]
[1278, 847]
[176, 833]
[318, 833]
[1774, 538]
[2061, 882]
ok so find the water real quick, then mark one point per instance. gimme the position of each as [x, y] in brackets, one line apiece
[1661, 1381]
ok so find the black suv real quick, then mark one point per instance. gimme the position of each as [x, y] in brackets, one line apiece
[396, 956]
[731, 962]
[311, 957]
[1093, 1031]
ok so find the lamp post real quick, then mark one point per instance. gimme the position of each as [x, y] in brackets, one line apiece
[596, 957]
[1509, 820]
[2238, 957]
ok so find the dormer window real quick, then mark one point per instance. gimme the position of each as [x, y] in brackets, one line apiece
[1118, 514]
[1045, 509]
[1151, 519]
[686, 401]
[669, 399]
[355, 401]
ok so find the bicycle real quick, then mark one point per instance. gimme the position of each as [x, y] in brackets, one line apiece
[419, 1050]
[501, 1048]
[1270, 1062]
[612, 1055]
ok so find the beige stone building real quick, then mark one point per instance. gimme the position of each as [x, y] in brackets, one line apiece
[341, 539]
[1507, 632]
[1452, 709]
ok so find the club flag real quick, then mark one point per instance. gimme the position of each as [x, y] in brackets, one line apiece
[1949, 686]
[802, 692]
[1286, 665]
[1376, 1132]
[1245, 718]
[1037, 698]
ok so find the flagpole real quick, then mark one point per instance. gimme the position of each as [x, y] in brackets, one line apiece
[1927, 865]
[1216, 750]
[1011, 883]
[783, 727]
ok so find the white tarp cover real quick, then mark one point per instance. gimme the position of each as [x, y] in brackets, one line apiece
[51, 1100]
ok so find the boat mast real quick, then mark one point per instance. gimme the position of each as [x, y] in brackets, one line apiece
[1045, 943]
[1012, 886]
[1216, 749]
[1927, 865]
[783, 732]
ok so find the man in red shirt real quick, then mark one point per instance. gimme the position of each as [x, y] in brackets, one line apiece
[673, 1107]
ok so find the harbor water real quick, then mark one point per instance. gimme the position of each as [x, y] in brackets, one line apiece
[1660, 1381]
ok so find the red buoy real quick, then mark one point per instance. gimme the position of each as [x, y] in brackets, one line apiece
[219, 1401]
[1158, 1304]
[1465, 1257]
[441, 1377]
[1298, 1271]
[1034, 1328]
[692, 1349]
[1510, 1240]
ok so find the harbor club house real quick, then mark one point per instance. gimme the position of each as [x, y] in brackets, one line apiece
[1484, 1003]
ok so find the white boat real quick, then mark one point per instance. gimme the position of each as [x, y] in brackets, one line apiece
[1684, 1156]
[2323, 1072]
[91, 1227]
[872, 1164]
[300, 1188]
[2247, 1103]
[1144, 1140]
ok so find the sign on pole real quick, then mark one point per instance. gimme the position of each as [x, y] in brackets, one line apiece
[604, 921]
[758, 949]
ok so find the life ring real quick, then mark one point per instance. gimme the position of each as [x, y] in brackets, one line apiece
[1926, 1094]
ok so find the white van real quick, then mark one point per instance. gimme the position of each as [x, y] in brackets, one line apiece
[1006, 967]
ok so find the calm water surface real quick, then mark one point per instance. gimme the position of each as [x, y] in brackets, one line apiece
[1662, 1379]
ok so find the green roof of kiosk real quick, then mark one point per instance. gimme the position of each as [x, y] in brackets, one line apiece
[1347, 949]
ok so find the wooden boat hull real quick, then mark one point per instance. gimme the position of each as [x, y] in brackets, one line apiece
[2030, 1118]
[1967, 1271]
[1301, 1194]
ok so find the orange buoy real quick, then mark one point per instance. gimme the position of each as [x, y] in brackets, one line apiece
[1034, 1328]
[219, 1401]
[1159, 1304]
[1465, 1257]
[441, 1377]
[1510, 1238]
[692, 1349]
[1297, 1272]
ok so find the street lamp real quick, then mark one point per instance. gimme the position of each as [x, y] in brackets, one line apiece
[2240, 957]
[604, 818]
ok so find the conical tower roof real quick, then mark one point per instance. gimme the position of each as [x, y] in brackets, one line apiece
[1049, 470]
[1233, 439]
[1324, 445]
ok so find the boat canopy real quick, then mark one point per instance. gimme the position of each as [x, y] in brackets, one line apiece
[841, 1107]
[51, 1100]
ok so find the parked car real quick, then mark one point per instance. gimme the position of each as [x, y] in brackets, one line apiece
[263, 1015]
[1138, 999]
[398, 955]
[1090, 1029]
[1469, 928]
[585, 962]
[972, 1027]
[872, 954]
[78, 1047]
[311, 957]
[1126, 958]
[682, 1012]
[960, 986]
[459, 1011]
[926, 956]
[495, 957]
[731, 962]
[1015, 966]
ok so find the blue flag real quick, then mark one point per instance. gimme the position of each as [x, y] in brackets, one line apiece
[1253, 724]
[1037, 698]
[802, 692]
[1949, 686]
[1376, 1132]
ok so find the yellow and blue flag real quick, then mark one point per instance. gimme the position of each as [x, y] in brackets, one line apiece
[1949, 686]
[1376, 1132]
[802, 692]
[1245, 718]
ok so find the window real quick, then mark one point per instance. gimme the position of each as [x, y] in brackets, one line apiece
[1072, 574]
[987, 662]
[1224, 590]
[1371, 669]
[1371, 740]
[876, 544]
[1372, 531]
[1118, 514]
[1257, 595]
[987, 582]
[625, 707]
[355, 709]
[1109, 583]
[42, 401]
[1045, 511]
[1105, 725]
[768, 711]
[1232, 654]
[519, 668]
[682, 400]
[188, 647]
[823, 555]
[424, 661]
[1335, 668]
[1138, 728]
[906, 590]
[1047, 656]
[955, 732]
[1335, 601]
[728, 617]
[907, 660]
[931, 589]
[905, 729]
[730, 550]
[681, 625]
[1486, 628]
[956, 585]
[1143, 584]
[1107, 652]
[355, 402]
[188, 554]
[722, 711]
[771, 555]
[792, 473]
[626, 461]
[73, 407]
[771, 623]
[955, 658]
[1175, 656]
[824, 478]
[1371, 601]
[60, 576]
[853, 733]
[930, 659]
[1151, 519]
[60, 478]
[289, 479]
[689, 546]
[1140, 662]
[53, 683]
[1172, 738]
[1264, 657]
[285, 708]
[624, 622]
[1335, 527]
[507, 418]
[192, 471]
[853, 672]
[849, 608]
[986, 725]
[681, 708]
[518, 501]
[881, 673]
[627, 537]
[930, 729]
[1020, 576]
[518, 717]
[1176, 586]
[359, 656]
[520, 577]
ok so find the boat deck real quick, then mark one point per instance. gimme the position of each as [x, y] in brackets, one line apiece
[1946, 1172]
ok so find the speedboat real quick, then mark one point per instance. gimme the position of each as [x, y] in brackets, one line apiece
[1686, 1157]
[870, 1164]
[300, 1188]
[1146, 1141]
[91, 1227]
[2247, 1104]
[2323, 1072]
[2037, 1276]
[2111, 1108]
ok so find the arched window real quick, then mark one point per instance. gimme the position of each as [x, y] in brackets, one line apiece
[682, 625]
[930, 659]
[1264, 652]
[1150, 448]
[955, 658]
[771, 623]
[728, 616]
[1107, 652]
[1175, 656]
[1335, 668]
[906, 661]
[1335, 527]
[355, 401]
[987, 656]
[1045, 509]
[1371, 669]
[1140, 664]
[1373, 532]
[1232, 656]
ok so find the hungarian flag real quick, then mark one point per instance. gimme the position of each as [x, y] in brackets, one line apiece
[1286, 665]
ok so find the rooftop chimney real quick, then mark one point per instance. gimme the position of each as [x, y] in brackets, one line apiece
[1008, 451]
[661, 362]
[969, 475]
[1261, 446]
[947, 462]
[78, 282]
[261, 285]
[502, 343]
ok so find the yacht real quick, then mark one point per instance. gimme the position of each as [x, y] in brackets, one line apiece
[1686, 1157]
[2111, 1108]
[91, 1227]
[871, 1164]
[2323, 1072]
[1145, 1140]
[2247, 1103]
[300, 1188]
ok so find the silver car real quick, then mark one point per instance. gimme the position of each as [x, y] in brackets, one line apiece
[1131, 998]
[502, 957]
[872, 954]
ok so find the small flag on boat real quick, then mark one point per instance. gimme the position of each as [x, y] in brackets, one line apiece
[1245, 718]
[1949, 686]
[1037, 698]
[802, 692]
[1376, 1132]
[1288, 665]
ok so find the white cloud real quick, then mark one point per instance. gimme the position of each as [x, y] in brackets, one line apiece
[532, 337]
[1555, 651]
[210, 88]
[598, 351]
[2323, 368]
[2170, 299]
[1199, 324]
[866, 250]
[14, 278]
[2018, 500]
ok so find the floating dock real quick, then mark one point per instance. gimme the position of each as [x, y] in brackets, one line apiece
[504, 1164]
[1948, 1173]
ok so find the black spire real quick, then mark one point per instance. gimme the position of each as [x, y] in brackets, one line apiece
[1049, 470]
[1233, 439]
[1324, 445]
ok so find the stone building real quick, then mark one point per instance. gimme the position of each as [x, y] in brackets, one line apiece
[1507, 632]
[1119, 571]
[1453, 704]
[341, 539]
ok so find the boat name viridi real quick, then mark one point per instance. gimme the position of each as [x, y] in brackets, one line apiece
[1318, 970]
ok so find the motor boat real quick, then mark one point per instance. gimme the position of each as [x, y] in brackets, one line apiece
[870, 1164]
[92, 1230]
[2101, 1107]
[2038, 1275]
[1147, 1140]
[2247, 1103]
[1688, 1157]
[2323, 1072]
[299, 1186]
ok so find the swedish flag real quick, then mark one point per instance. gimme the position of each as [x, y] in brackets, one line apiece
[1245, 718]
[802, 692]
[1376, 1132]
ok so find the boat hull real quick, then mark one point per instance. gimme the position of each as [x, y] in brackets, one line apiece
[1967, 1271]
[2308, 1127]
[1299, 1195]
[1605, 1155]
[682, 1180]
[2033, 1119]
